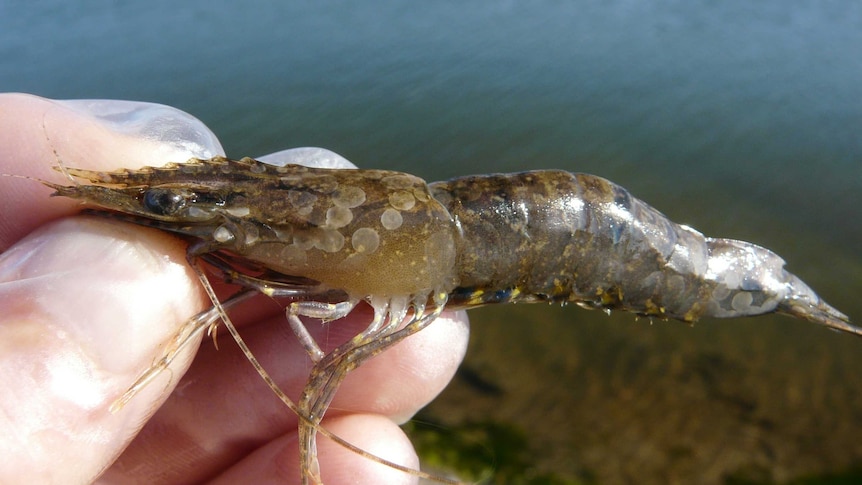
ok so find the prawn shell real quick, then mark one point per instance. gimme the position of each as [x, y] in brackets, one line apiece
[367, 232]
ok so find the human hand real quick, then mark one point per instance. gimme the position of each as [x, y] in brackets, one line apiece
[86, 304]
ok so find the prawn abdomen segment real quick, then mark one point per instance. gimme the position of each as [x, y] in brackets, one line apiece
[558, 236]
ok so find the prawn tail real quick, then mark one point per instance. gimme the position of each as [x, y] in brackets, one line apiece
[804, 303]
[747, 279]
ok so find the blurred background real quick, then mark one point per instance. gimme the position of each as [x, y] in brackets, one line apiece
[739, 118]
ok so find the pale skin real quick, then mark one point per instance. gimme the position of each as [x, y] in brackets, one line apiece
[86, 304]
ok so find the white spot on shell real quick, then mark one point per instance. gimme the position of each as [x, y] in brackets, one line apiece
[365, 240]
[222, 234]
[732, 278]
[402, 200]
[303, 241]
[720, 293]
[391, 219]
[300, 199]
[337, 217]
[349, 196]
[198, 213]
[252, 234]
[304, 211]
[675, 285]
[741, 302]
[238, 211]
[330, 241]
[400, 181]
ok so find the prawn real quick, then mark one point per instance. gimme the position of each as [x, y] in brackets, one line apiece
[328, 239]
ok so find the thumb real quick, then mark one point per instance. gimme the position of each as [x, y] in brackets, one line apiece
[86, 306]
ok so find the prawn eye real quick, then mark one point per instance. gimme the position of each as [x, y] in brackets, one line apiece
[163, 202]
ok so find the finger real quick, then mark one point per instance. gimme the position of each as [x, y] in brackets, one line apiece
[183, 444]
[86, 305]
[37, 134]
[89, 302]
[278, 461]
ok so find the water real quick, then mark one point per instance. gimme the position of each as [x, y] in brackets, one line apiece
[678, 100]
[739, 118]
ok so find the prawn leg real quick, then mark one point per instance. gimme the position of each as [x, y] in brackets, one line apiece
[314, 309]
[330, 369]
[186, 333]
[328, 374]
[314, 300]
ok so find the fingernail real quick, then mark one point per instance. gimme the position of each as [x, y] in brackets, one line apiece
[308, 156]
[154, 122]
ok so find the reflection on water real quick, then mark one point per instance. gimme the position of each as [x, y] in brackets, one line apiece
[741, 119]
